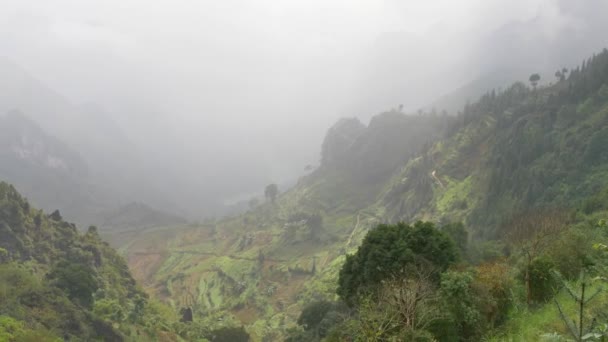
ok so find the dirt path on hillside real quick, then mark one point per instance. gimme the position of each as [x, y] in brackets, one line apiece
[434, 175]
[350, 238]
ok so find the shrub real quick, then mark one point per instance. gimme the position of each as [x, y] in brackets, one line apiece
[493, 284]
[543, 281]
[313, 314]
[461, 302]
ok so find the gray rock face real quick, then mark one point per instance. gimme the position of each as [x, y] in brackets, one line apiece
[339, 139]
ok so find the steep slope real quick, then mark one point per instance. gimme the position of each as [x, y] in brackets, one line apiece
[58, 283]
[511, 151]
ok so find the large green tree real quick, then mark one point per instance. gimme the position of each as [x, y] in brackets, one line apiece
[392, 250]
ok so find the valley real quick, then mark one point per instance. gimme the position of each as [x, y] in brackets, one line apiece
[261, 268]
[304, 171]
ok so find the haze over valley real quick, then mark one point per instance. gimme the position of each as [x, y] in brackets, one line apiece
[286, 171]
[198, 105]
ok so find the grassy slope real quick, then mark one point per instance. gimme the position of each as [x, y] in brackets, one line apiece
[531, 324]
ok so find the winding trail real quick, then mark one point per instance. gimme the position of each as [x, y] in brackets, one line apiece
[350, 238]
[434, 175]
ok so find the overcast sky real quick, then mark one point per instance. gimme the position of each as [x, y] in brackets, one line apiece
[231, 82]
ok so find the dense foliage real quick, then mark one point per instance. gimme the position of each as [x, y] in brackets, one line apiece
[59, 283]
[390, 250]
[512, 150]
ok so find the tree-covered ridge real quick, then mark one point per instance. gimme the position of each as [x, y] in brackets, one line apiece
[29, 235]
[58, 283]
[512, 150]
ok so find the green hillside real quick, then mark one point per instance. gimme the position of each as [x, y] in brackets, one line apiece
[511, 152]
[59, 284]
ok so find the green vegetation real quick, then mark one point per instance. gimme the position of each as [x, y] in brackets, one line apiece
[512, 151]
[414, 228]
[76, 280]
[389, 250]
[487, 301]
[58, 284]
[510, 192]
[259, 269]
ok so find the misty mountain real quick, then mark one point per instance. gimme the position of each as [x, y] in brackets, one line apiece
[155, 170]
[189, 131]
[465, 65]
[50, 173]
[369, 154]
[454, 101]
[105, 150]
[560, 37]
[459, 194]
[20, 91]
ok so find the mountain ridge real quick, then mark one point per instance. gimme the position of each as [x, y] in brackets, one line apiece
[261, 267]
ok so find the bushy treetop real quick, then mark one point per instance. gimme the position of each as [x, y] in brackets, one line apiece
[390, 250]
